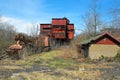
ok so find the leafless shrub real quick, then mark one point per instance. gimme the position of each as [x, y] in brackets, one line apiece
[7, 33]
[73, 51]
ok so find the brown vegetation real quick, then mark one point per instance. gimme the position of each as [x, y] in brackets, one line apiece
[73, 51]
[7, 33]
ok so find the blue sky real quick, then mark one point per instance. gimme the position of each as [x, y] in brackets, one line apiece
[24, 13]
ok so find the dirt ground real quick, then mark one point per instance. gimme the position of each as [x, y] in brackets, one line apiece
[38, 67]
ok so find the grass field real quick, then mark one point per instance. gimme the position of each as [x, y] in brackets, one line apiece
[49, 66]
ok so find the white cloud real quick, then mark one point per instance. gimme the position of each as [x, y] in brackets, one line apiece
[24, 26]
[78, 31]
[20, 25]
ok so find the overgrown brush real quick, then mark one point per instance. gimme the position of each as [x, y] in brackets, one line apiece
[7, 33]
[72, 51]
[117, 57]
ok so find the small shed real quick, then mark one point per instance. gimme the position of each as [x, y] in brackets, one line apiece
[103, 45]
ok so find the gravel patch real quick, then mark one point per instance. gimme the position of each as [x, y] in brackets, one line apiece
[110, 73]
[9, 72]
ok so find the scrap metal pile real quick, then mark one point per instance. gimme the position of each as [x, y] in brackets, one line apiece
[61, 31]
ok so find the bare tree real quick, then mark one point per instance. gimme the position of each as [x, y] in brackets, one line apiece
[116, 17]
[34, 30]
[92, 18]
[7, 33]
[87, 23]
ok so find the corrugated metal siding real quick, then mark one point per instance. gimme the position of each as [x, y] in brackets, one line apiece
[70, 34]
[70, 26]
[59, 22]
[59, 34]
[46, 41]
[45, 29]
[61, 28]
[70, 31]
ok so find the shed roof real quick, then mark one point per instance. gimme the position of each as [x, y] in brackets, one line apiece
[87, 40]
[99, 36]
[106, 33]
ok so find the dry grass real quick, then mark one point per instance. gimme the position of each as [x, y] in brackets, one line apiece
[72, 50]
[69, 53]
[40, 76]
[83, 72]
[51, 59]
[64, 69]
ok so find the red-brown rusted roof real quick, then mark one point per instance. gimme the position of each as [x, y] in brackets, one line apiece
[105, 38]
[98, 38]
[106, 33]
